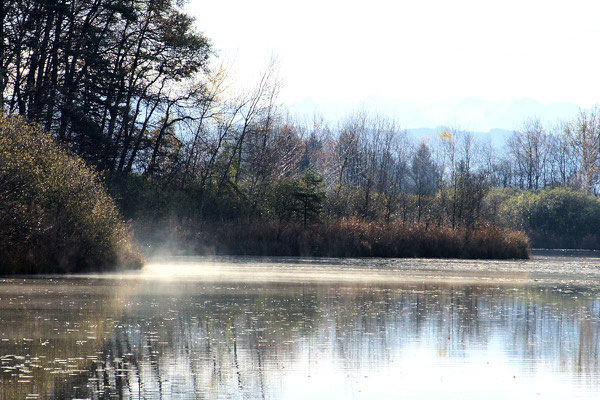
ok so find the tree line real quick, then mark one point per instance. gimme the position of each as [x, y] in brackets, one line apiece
[134, 89]
[105, 76]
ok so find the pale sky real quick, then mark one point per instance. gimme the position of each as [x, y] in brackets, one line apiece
[413, 51]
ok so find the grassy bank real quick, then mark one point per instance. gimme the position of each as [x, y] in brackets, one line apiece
[340, 238]
[55, 214]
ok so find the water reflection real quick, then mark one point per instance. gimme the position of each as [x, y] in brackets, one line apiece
[136, 339]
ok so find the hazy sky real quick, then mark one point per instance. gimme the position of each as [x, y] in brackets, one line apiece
[413, 51]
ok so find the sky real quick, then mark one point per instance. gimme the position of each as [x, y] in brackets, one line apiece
[431, 55]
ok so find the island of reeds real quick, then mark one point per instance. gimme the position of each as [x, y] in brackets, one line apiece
[122, 134]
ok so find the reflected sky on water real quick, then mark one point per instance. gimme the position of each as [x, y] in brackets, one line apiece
[228, 328]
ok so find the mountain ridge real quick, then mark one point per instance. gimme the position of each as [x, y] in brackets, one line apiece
[469, 114]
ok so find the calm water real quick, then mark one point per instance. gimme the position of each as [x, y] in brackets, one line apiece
[298, 328]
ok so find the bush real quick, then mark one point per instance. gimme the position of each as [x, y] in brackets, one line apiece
[55, 214]
[558, 217]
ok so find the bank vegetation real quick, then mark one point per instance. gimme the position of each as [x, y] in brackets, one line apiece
[198, 164]
[55, 214]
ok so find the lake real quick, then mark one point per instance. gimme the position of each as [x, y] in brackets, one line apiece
[291, 328]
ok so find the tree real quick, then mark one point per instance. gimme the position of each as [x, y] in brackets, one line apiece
[529, 147]
[470, 189]
[310, 193]
[424, 175]
[584, 137]
[100, 74]
[300, 198]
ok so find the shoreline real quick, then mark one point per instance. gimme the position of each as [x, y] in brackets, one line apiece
[253, 270]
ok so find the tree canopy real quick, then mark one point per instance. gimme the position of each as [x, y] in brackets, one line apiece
[103, 75]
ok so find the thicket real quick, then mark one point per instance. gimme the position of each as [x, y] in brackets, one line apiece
[130, 87]
[554, 217]
[55, 214]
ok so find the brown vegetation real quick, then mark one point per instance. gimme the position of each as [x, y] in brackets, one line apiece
[352, 238]
[178, 141]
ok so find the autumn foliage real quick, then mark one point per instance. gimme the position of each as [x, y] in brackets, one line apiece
[55, 214]
[355, 238]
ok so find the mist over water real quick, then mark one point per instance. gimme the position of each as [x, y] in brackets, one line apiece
[291, 328]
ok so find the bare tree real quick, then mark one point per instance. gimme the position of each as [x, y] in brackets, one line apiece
[529, 150]
[584, 138]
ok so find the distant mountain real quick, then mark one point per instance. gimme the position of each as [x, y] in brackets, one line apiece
[497, 137]
[476, 115]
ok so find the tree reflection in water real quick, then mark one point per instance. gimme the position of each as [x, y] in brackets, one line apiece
[196, 340]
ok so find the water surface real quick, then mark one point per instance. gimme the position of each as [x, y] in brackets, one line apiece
[246, 328]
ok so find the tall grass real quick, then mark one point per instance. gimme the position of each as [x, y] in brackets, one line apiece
[353, 238]
[55, 214]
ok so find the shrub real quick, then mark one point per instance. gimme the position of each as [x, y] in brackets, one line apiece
[558, 217]
[55, 214]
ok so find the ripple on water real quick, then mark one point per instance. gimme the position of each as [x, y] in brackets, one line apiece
[306, 327]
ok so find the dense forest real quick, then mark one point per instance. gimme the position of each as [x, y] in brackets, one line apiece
[132, 88]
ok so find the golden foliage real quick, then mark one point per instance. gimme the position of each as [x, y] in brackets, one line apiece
[55, 214]
[359, 238]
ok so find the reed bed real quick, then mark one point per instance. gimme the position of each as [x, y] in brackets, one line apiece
[354, 238]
